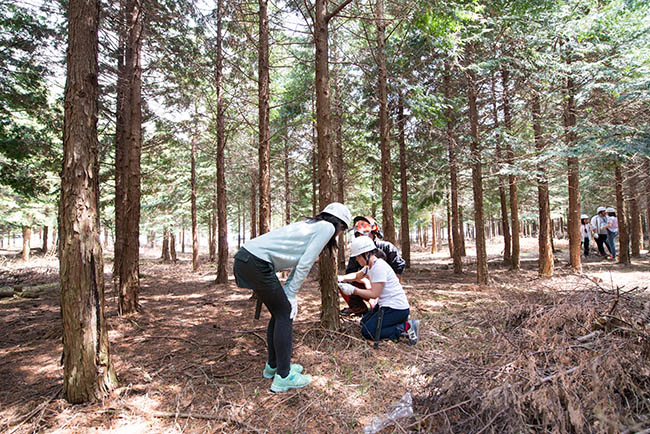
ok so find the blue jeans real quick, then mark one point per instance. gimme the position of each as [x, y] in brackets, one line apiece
[611, 242]
[392, 325]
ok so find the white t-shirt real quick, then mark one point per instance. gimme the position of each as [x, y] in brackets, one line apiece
[585, 230]
[392, 295]
[599, 224]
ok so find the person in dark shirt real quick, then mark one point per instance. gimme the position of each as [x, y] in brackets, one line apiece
[367, 226]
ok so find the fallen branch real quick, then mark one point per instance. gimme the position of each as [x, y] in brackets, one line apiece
[552, 377]
[38, 409]
[169, 414]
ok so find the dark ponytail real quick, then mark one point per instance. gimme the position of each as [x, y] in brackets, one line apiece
[335, 221]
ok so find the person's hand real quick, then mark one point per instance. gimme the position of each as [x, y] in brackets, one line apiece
[294, 308]
[346, 288]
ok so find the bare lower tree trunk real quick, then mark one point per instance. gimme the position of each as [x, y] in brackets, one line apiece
[635, 215]
[88, 373]
[264, 110]
[647, 198]
[222, 200]
[45, 245]
[253, 224]
[512, 179]
[455, 240]
[327, 262]
[461, 230]
[623, 235]
[27, 242]
[339, 164]
[195, 226]
[546, 263]
[507, 241]
[172, 247]
[434, 244]
[404, 224]
[477, 179]
[165, 245]
[573, 177]
[450, 244]
[384, 128]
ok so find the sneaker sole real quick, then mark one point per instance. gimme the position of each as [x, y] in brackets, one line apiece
[284, 389]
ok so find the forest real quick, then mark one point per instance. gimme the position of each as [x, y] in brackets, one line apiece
[144, 142]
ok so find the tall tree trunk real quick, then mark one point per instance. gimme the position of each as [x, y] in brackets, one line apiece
[450, 244]
[647, 198]
[512, 179]
[384, 128]
[327, 262]
[172, 247]
[635, 215]
[461, 231]
[27, 242]
[165, 245]
[339, 165]
[264, 146]
[455, 240]
[254, 182]
[623, 235]
[404, 224]
[573, 176]
[477, 179]
[507, 241]
[545, 263]
[129, 134]
[434, 241]
[314, 163]
[195, 227]
[222, 200]
[45, 245]
[88, 373]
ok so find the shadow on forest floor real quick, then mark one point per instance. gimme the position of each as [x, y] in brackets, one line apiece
[191, 360]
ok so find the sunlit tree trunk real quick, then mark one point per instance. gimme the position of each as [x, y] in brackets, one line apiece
[264, 110]
[88, 374]
[623, 234]
[404, 224]
[165, 245]
[27, 242]
[573, 176]
[635, 215]
[512, 179]
[455, 240]
[477, 178]
[222, 200]
[546, 264]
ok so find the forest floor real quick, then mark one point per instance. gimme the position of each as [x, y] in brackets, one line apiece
[192, 359]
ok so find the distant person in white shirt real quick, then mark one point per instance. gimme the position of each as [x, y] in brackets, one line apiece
[599, 228]
[385, 285]
[612, 231]
[585, 232]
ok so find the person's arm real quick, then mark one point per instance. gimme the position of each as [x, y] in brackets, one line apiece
[373, 292]
[351, 277]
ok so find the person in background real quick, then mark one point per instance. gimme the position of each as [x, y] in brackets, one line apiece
[612, 231]
[599, 228]
[296, 247]
[385, 286]
[367, 226]
[585, 232]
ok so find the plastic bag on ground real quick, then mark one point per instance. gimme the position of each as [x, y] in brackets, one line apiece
[399, 410]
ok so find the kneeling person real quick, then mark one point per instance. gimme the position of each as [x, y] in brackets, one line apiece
[384, 285]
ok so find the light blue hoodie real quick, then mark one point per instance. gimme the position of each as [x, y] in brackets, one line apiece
[296, 246]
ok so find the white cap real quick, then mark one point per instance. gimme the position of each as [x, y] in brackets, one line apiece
[601, 208]
[340, 211]
[361, 245]
[610, 209]
[584, 216]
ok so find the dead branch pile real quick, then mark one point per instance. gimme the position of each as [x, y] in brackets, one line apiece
[573, 361]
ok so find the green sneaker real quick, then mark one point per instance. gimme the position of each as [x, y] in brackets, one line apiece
[291, 381]
[269, 372]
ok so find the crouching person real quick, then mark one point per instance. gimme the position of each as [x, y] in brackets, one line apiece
[297, 247]
[385, 286]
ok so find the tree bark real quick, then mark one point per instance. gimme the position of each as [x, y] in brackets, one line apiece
[573, 177]
[647, 198]
[254, 182]
[45, 245]
[404, 224]
[477, 179]
[546, 260]
[27, 242]
[450, 244]
[165, 245]
[222, 200]
[461, 231]
[88, 374]
[512, 179]
[455, 241]
[384, 129]
[327, 262]
[507, 241]
[635, 215]
[623, 235]
[264, 110]
[339, 165]
[172, 247]
[195, 227]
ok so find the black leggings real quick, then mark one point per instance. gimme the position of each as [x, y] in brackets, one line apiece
[256, 274]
